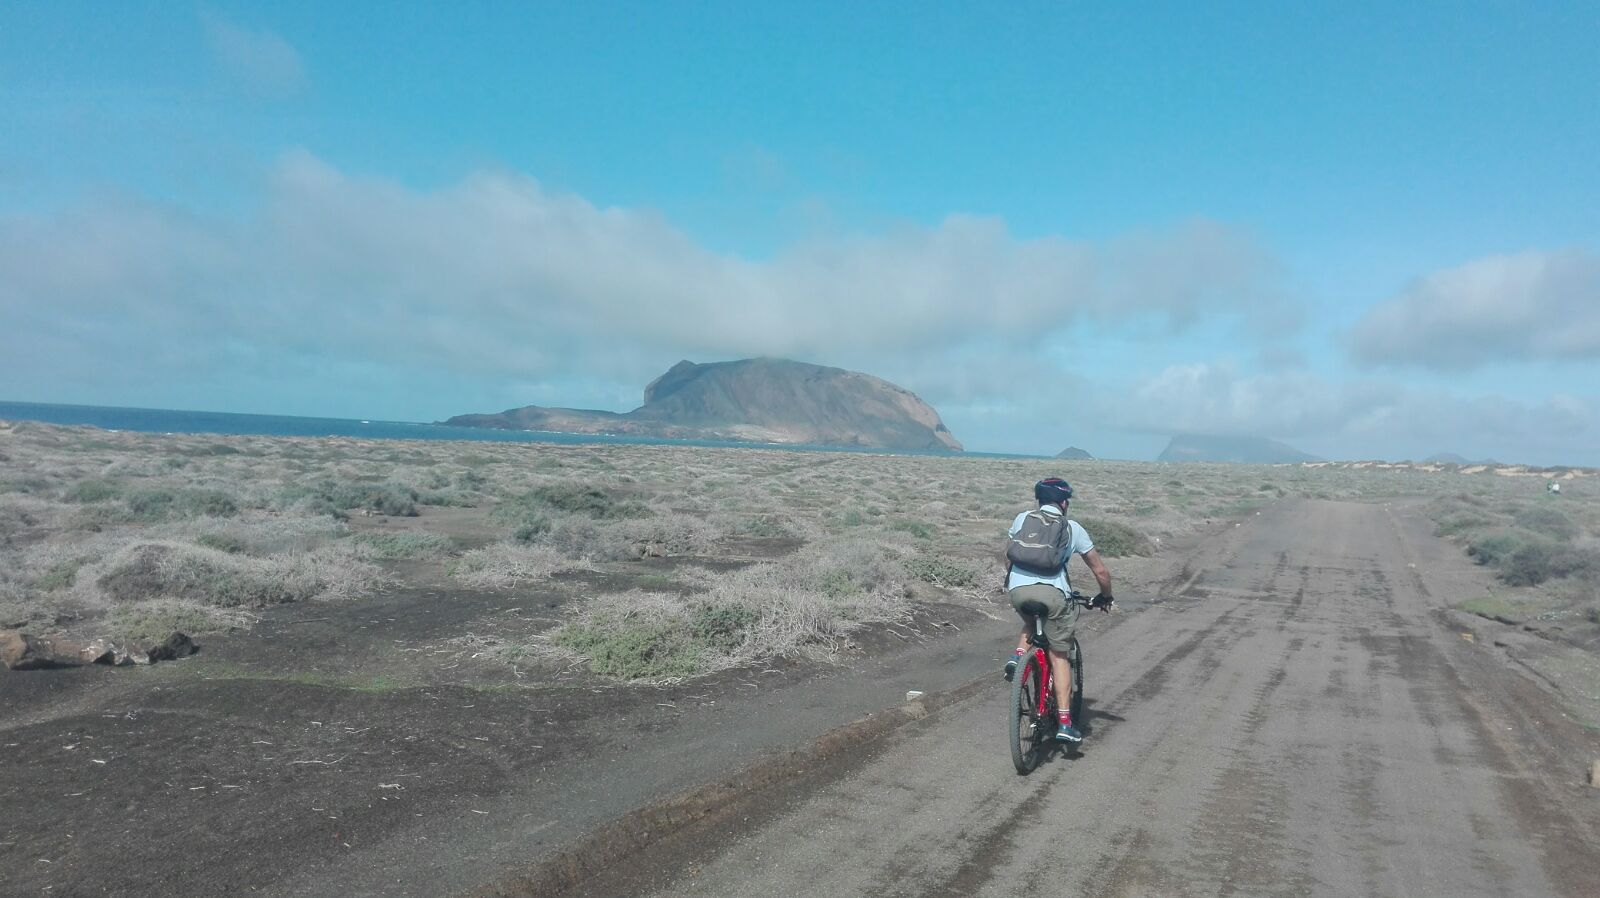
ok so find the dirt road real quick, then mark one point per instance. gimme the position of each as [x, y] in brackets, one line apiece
[1297, 718]
[1293, 714]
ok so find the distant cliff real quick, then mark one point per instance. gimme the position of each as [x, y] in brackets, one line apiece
[754, 400]
[1244, 450]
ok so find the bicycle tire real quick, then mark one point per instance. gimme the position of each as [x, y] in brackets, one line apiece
[1021, 723]
[1075, 701]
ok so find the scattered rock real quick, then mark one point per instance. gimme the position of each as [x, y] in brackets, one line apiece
[25, 651]
[12, 647]
[176, 646]
[1594, 774]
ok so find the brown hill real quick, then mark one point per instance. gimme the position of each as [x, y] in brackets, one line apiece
[754, 400]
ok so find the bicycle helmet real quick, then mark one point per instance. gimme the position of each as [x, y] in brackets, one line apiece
[1052, 490]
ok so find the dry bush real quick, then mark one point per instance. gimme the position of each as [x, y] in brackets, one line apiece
[401, 544]
[805, 606]
[669, 533]
[155, 620]
[507, 565]
[258, 534]
[140, 571]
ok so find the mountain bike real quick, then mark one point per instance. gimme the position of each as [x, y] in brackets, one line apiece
[1031, 715]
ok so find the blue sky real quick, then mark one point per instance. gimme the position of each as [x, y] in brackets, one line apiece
[1364, 230]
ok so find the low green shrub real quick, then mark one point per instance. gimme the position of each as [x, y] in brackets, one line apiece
[940, 570]
[59, 575]
[402, 544]
[1546, 522]
[151, 504]
[765, 528]
[1462, 525]
[852, 518]
[335, 498]
[146, 571]
[722, 627]
[86, 491]
[534, 515]
[918, 529]
[26, 485]
[162, 504]
[212, 449]
[507, 565]
[448, 498]
[646, 641]
[1529, 564]
[578, 498]
[1526, 559]
[223, 542]
[1114, 539]
[144, 623]
[531, 528]
[206, 503]
[1495, 549]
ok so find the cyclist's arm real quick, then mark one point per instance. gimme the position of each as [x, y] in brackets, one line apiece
[1098, 568]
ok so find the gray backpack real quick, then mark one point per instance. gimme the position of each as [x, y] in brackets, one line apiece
[1040, 544]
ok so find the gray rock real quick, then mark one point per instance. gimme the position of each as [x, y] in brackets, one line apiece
[176, 646]
[25, 651]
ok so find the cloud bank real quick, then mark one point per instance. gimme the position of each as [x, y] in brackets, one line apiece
[1523, 307]
[1373, 418]
[499, 277]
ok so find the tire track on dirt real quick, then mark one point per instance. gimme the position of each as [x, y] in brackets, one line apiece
[1288, 723]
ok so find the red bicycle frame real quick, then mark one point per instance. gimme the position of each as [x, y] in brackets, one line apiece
[1045, 685]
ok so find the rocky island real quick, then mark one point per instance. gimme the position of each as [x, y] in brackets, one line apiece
[1233, 449]
[753, 400]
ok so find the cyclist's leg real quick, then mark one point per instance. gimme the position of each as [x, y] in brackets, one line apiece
[1036, 593]
[1061, 674]
[1062, 627]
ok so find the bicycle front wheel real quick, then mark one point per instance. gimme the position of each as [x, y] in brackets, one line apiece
[1022, 721]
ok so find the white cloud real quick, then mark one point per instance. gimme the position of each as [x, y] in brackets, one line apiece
[498, 278]
[259, 59]
[1364, 418]
[1530, 306]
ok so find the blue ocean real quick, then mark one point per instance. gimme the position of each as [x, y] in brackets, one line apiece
[157, 420]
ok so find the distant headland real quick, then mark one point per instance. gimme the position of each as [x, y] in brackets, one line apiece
[761, 400]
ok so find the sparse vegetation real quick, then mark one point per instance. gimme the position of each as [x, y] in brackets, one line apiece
[337, 498]
[141, 571]
[93, 490]
[402, 544]
[941, 571]
[1114, 539]
[104, 530]
[507, 565]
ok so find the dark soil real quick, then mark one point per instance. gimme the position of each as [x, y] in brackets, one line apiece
[335, 746]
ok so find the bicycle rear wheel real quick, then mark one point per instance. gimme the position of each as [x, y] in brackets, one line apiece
[1022, 717]
[1075, 701]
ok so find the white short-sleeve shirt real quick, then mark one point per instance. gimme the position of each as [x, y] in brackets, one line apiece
[1077, 545]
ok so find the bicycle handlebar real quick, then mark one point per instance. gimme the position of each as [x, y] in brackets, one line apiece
[1078, 598]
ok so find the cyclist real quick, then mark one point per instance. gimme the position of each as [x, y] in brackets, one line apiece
[1051, 589]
